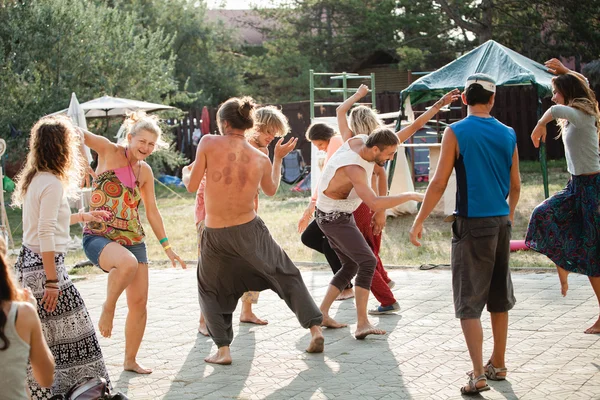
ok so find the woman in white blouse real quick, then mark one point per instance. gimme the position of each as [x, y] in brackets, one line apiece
[51, 175]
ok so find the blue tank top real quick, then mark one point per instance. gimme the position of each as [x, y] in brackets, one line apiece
[486, 147]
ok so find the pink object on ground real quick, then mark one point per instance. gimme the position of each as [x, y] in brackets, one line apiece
[516, 245]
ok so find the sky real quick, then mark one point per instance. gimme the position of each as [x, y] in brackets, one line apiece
[237, 4]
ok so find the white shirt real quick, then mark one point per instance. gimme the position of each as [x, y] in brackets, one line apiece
[343, 157]
[46, 215]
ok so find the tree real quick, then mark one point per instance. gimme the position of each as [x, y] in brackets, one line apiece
[330, 35]
[539, 29]
[50, 48]
[572, 29]
[208, 65]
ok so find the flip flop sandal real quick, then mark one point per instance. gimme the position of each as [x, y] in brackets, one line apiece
[472, 386]
[492, 372]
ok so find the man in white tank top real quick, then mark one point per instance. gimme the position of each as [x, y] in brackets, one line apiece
[344, 185]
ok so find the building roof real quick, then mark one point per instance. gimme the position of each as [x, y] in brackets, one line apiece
[242, 21]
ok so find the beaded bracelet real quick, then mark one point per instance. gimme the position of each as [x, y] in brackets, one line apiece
[166, 247]
[161, 241]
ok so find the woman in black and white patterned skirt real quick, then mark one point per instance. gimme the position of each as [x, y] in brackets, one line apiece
[50, 176]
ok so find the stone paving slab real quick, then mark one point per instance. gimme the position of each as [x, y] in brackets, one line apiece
[423, 356]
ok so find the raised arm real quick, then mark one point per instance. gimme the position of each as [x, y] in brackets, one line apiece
[420, 122]
[269, 184]
[343, 109]
[556, 67]
[99, 144]
[438, 184]
[376, 203]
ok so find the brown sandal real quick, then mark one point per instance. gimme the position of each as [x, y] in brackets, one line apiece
[492, 372]
[472, 385]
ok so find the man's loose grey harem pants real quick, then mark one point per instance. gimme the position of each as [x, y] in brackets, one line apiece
[351, 247]
[245, 258]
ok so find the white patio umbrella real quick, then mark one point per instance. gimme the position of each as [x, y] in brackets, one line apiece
[107, 106]
[77, 115]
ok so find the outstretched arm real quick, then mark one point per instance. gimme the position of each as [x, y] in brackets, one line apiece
[438, 184]
[343, 109]
[376, 203]
[410, 130]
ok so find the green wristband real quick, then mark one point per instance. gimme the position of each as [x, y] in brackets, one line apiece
[161, 241]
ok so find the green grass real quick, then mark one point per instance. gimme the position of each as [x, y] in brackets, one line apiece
[282, 211]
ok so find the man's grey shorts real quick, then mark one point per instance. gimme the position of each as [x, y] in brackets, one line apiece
[480, 266]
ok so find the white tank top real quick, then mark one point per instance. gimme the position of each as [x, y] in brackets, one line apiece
[343, 157]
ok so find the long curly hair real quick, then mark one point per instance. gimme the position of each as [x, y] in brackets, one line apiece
[8, 292]
[53, 147]
[577, 94]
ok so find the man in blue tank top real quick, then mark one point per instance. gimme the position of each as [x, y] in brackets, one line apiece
[484, 154]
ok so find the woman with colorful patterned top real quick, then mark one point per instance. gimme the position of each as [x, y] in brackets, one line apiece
[116, 244]
[51, 175]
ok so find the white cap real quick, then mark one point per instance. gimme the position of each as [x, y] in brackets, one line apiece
[486, 81]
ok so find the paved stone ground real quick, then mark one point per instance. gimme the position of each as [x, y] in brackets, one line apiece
[423, 356]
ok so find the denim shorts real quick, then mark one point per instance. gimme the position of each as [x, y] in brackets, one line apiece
[93, 246]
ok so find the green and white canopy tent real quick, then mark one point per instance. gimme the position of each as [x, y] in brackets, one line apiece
[506, 66]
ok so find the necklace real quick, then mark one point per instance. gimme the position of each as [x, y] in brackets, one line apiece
[137, 182]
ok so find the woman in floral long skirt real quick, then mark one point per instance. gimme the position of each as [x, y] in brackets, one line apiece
[566, 227]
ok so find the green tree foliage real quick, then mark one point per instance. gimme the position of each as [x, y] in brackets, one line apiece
[50, 48]
[208, 68]
[336, 36]
[325, 35]
[539, 29]
[572, 29]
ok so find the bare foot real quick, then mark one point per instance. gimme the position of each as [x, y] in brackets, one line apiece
[317, 343]
[133, 366]
[329, 322]
[105, 324]
[594, 328]
[251, 318]
[202, 327]
[563, 276]
[345, 294]
[367, 329]
[221, 357]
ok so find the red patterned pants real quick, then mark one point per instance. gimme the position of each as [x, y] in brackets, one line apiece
[379, 286]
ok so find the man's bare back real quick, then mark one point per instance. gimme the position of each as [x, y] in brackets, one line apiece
[234, 170]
